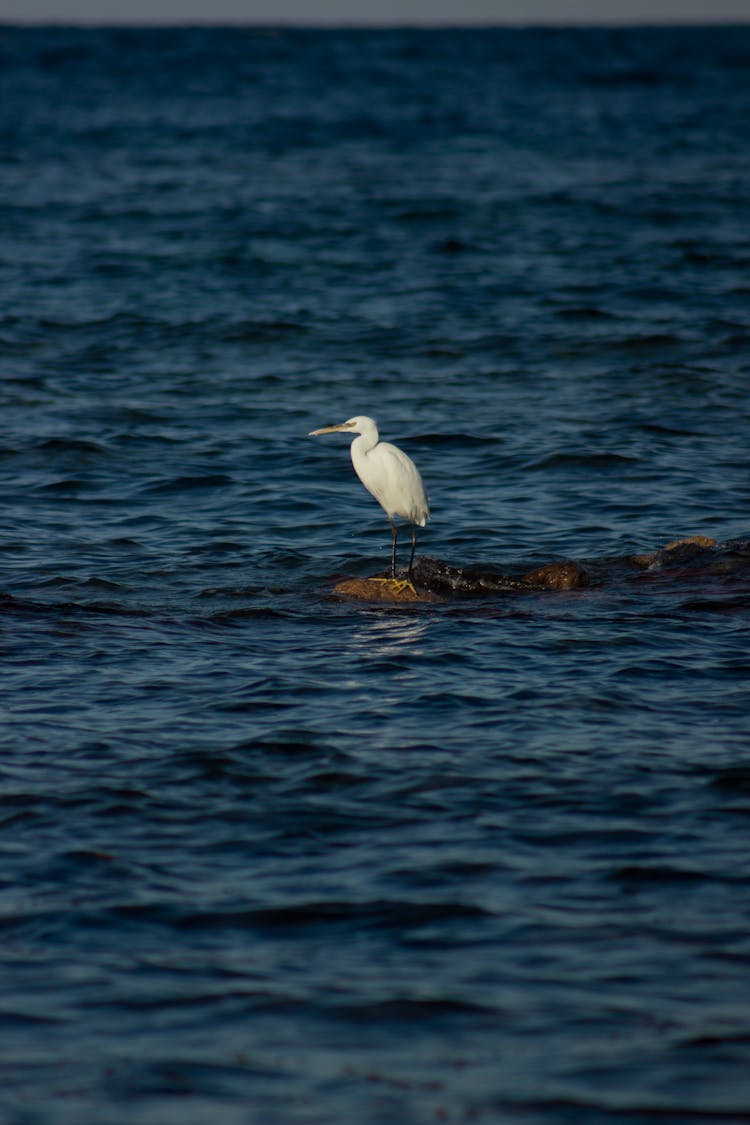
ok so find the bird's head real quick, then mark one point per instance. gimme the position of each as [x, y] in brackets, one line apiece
[359, 425]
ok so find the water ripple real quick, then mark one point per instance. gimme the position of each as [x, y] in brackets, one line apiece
[279, 856]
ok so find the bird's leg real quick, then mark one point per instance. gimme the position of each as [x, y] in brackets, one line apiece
[394, 583]
[413, 546]
[404, 583]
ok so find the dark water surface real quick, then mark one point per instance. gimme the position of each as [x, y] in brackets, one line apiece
[270, 857]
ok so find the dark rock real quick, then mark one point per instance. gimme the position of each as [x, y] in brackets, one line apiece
[679, 550]
[557, 576]
[433, 580]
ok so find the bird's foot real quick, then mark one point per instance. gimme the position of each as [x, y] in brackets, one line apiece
[398, 585]
[405, 584]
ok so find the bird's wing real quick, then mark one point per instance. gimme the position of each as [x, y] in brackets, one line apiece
[393, 479]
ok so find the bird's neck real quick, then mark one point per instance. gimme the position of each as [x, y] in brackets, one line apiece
[366, 441]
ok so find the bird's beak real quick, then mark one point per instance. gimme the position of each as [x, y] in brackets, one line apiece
[328, 429]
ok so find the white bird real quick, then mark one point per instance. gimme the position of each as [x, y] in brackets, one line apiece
[389, 475]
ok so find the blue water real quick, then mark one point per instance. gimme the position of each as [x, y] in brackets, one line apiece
[273, 857]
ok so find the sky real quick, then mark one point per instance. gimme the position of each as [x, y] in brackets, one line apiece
[374, 12]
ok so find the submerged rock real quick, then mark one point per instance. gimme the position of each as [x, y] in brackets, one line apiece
[434, 580]
[557, 576]
[679, 550]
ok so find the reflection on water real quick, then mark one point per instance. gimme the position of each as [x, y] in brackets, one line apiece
[385, 635]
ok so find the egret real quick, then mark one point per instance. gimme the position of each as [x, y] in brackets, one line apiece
[389, 475]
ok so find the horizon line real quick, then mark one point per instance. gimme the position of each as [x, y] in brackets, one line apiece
[369, 25]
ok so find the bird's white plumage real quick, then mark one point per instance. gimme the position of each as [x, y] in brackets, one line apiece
[387, 473]
[391, 476]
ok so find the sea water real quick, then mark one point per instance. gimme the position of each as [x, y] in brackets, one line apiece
[271, 856]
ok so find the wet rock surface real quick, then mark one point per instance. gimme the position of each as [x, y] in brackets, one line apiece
[435, 580]
[384, 590]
